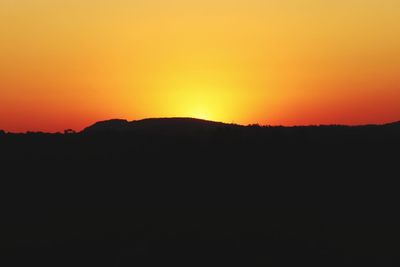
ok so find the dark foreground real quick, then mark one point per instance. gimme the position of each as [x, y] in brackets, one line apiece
[217, 195]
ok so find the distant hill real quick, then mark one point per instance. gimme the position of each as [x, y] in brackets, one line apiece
[393, 124]
[192, 125]
[107, 126]
[156, 125]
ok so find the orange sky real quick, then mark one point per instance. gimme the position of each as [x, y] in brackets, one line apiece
[68, 63]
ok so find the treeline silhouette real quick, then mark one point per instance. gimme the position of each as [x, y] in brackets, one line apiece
[187, 192]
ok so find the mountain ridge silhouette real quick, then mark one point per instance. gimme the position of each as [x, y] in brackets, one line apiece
[187, 124]
[176, 124]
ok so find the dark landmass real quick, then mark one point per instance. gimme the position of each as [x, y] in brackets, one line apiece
[159, 126]
[185, 192]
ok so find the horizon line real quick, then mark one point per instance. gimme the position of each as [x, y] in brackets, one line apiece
[206, 120]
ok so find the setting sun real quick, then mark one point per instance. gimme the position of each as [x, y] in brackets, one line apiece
[268, 62]
[200, 96]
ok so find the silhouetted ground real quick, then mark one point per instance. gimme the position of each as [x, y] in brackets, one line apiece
[183, 192]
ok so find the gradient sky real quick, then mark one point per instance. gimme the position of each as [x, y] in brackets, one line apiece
[68, 63]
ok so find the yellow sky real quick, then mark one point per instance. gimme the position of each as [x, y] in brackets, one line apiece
[68, 63]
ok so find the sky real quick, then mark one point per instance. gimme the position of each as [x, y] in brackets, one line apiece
[68, 63]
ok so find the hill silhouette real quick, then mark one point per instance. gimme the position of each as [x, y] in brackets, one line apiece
[189, 192]
[393, 124]
[158, 125]
[192, 125]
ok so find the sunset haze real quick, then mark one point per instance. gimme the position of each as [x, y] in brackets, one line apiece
[69, 63]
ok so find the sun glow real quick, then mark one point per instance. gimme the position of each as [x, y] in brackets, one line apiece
[202, 95]
[66, 64]
[200, 106]
[201, 102]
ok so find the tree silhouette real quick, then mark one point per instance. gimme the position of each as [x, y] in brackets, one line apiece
[69, 131]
